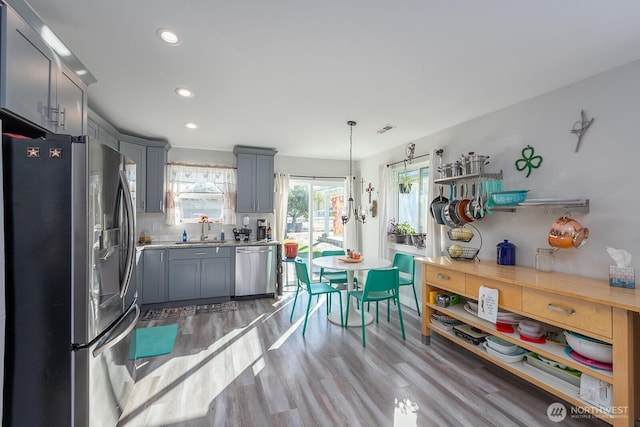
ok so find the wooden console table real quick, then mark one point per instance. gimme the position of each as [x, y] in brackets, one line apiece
[584, 305]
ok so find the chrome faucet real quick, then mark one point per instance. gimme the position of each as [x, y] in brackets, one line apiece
[203, 236]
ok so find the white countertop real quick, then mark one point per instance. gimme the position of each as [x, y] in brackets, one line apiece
[206, 243]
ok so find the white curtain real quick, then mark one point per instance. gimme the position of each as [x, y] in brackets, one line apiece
[281, 203]
[387, 206]
[201, 179]
[351, 227]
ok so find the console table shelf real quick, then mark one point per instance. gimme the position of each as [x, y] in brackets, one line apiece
[597, 310]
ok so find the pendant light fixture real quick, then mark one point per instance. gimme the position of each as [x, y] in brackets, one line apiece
[358, 213]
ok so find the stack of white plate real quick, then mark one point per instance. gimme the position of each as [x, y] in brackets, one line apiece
[503, 316]
[503, 350]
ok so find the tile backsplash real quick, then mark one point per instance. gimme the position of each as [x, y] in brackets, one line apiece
[159, 231]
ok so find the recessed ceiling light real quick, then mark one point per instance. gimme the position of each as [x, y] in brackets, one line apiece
[168, 36]
[191, 125]
[184, 92]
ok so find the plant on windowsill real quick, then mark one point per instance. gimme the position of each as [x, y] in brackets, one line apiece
[398, 232]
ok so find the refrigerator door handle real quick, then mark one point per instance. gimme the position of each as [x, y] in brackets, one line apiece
[130, 215]
[111, 341]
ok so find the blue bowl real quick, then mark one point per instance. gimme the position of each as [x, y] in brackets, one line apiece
[508, 198]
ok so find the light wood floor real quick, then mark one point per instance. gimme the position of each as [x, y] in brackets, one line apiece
[252, 367]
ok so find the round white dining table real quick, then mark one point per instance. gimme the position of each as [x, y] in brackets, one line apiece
[334, 263]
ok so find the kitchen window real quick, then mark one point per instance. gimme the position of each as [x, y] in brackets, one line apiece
[413, 196]
[197, 190]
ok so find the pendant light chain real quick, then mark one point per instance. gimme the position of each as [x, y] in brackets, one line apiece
[351, 209]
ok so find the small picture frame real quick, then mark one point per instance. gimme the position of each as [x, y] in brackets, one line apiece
[622, 277]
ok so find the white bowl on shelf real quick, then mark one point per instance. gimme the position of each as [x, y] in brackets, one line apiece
[589, 347]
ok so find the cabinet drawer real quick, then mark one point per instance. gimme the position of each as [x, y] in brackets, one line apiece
[448, 279]
[509, 296]
[570, 312]
[194, 253]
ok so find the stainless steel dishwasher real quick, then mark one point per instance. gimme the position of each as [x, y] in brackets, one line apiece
[255, 271]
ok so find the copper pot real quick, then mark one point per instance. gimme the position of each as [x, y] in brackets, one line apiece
[566, 233]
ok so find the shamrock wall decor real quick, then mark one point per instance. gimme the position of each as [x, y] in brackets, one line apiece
[528, 160]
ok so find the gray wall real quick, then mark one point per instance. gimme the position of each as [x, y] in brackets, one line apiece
[604, 170]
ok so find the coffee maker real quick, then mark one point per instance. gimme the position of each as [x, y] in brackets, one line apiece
[262, 230]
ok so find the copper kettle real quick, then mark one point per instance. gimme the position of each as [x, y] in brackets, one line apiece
[566, 233]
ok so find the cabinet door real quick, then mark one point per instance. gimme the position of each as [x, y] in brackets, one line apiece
[156, 159]
[264, 184]
[245, 199]
[215, 278]
[136, 171]
[154, 283]
[184, 279]
[93, 130]
[69, 110]
[28, 76]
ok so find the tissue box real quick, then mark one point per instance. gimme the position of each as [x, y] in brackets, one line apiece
[622, 277]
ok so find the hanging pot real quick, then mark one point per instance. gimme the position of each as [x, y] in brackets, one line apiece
[473, 163]
[449, 214]
[450, 170]
[436, 207]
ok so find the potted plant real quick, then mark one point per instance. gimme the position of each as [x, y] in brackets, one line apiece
[405, 181]
[398, 232]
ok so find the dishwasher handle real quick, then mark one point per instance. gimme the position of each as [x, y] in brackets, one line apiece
[254, 251]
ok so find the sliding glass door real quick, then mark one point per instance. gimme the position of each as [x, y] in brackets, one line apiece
[313, 217]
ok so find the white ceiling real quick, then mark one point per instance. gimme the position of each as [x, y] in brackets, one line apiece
[290, 74]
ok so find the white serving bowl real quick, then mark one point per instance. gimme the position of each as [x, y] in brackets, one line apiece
[589, 347]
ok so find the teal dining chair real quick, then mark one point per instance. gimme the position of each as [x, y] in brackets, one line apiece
[313, 289]
[335, 277]
[407, 267]
[381, 285]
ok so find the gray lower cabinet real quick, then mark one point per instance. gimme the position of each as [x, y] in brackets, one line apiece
[154, 276]
[196, 273]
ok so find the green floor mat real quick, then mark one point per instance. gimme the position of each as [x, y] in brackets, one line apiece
[153, 341]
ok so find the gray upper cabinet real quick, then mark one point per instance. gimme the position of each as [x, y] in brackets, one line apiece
[156, 164]
[103, 131]
[255, 179]
[36, 85]
[70, 110]
[136, 167]
[150, 157]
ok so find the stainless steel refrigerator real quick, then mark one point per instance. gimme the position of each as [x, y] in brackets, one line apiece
[71, 303]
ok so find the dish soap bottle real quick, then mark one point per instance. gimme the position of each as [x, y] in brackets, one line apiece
[222, 235]
[268, 233]
[184, 236]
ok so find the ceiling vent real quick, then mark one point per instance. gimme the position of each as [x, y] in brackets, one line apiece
[385, 128]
